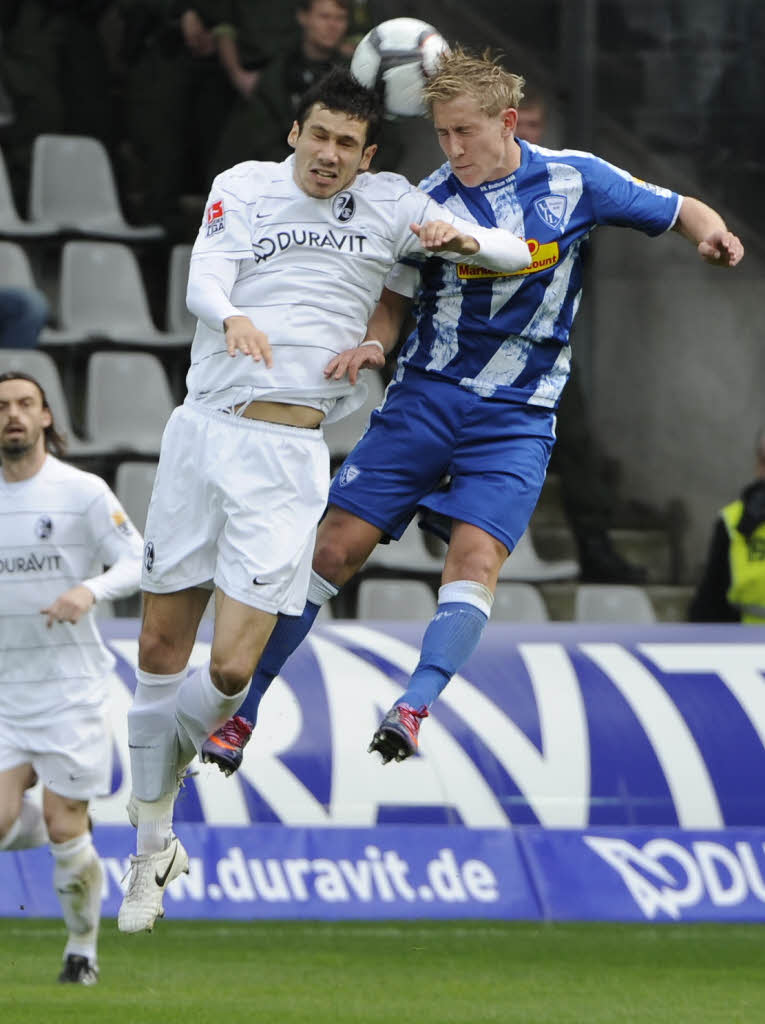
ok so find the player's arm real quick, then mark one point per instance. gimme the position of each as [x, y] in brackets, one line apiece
[211, 281]
[118, 545]
[706, 229]
[382, 334]
[438, 231]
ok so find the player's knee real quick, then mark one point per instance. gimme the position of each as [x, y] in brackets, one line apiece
[66, 821]
[230, 674]
[158, 652]
[334, 560]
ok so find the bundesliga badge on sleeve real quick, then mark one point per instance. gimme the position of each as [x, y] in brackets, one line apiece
[215, 217]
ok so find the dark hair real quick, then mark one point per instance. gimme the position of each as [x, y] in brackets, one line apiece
[55, 443]
[339, 91]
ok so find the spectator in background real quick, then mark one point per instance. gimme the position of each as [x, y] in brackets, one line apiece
[732, 587]
[176, 98]
[57, 75]
[589, 500]
[258, 125]
[23, 314]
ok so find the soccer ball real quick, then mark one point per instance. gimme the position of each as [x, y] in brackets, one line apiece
[398, 55]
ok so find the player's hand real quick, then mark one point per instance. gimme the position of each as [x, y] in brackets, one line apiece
[70, 606]
[438, 236]
[721, 249]
[352, 360]
[243, 336]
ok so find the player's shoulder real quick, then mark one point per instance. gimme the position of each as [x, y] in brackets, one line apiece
[246, 180]
[384, 185]
[436, 178]
[79, 482]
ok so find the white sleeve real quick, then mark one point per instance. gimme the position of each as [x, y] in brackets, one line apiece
[211, 278]
[499, 249]
[117, 544]
[403, 279]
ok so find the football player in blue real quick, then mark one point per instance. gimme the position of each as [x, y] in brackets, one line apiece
[477, 382]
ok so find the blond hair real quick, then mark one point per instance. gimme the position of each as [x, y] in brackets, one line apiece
[461, 72]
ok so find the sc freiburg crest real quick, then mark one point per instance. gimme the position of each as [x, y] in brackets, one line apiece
[343, 206]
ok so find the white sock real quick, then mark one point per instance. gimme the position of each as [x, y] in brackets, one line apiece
[320, 590]
[154, 753]
[28, 829]
[201, 708]
[155, 824]
[78, 879]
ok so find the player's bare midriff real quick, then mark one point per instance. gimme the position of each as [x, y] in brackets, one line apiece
[281, 412]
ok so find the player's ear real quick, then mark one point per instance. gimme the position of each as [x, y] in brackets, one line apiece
[366, 157]
[293, 135]
[509, 118]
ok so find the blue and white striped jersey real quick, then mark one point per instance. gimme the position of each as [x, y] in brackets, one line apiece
[506, 336]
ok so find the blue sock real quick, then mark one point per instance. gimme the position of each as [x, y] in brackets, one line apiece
[450, 639]
[289, 632]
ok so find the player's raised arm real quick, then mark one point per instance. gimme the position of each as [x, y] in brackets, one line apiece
[707, 230]
[454, 238]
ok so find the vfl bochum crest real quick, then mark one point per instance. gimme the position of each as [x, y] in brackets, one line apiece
[347, 475]
[343, 206]
[551, 209]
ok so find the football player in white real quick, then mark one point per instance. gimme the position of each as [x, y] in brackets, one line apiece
[289, 263]
[59, 527]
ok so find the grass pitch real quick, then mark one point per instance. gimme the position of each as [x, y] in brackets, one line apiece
[420, 971]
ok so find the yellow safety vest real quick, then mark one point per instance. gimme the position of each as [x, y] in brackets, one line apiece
[747, 566]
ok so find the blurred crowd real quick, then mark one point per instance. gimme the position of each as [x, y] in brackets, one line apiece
[175, 92]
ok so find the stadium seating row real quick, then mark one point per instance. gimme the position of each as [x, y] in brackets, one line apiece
[72, 190]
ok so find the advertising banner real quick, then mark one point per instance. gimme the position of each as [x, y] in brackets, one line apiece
[567, 761]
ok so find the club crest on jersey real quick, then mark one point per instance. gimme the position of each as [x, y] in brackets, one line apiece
[343, 206]
[347, 475]
[215, 217]
[148, 556]
[551, 209]
[44, 527]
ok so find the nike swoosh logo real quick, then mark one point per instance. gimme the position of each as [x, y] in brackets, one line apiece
[259, 583]
[259, 215]
[161, 880]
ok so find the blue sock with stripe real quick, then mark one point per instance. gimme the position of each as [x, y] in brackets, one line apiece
[451, 637]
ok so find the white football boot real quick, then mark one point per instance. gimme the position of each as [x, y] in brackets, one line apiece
[150, 875]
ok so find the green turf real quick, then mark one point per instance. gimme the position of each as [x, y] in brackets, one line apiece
[423, 972]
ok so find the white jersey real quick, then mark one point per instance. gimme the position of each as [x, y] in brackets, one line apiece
[310, 272]
[59, 528]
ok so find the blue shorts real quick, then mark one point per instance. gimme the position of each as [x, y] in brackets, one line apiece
[493, 453]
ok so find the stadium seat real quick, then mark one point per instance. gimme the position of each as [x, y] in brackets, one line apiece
[410, 600]
[178, 318]
[128, 401]
[406, 555]
[133, 482]
[344, 434]
[11, 225]
[72, 185]
[612, 602]
[103, 296]
[518, 602]
[16, 272]
[525, 564]
[42, 367]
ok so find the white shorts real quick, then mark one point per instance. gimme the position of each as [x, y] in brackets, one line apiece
[236, 501]
[72, 755]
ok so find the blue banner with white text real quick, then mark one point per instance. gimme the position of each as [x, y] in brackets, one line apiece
[564, 762]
